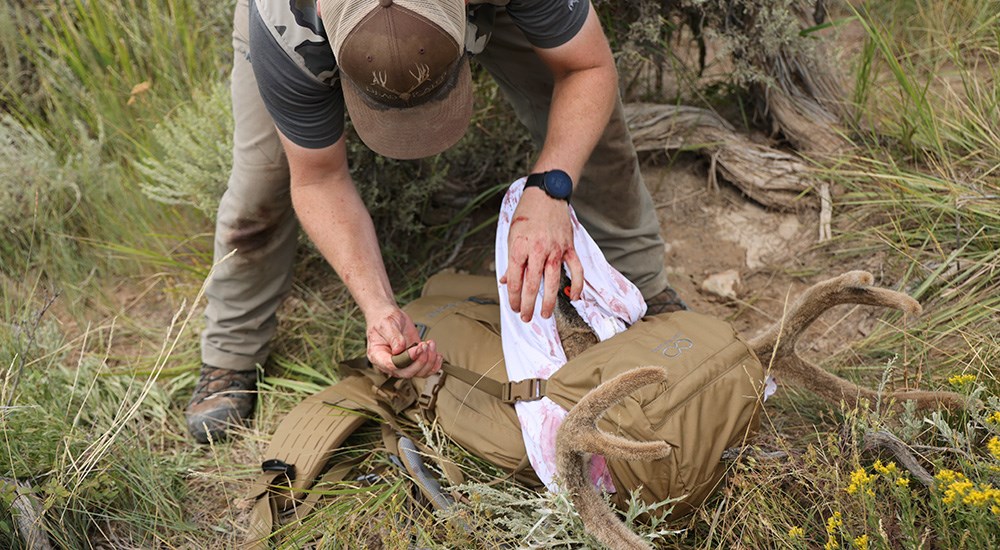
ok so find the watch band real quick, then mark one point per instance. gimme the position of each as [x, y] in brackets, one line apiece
[556, 183]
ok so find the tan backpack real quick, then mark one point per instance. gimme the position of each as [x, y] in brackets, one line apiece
[709, 403]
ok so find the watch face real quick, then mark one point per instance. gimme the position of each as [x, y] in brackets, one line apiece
[558, 184]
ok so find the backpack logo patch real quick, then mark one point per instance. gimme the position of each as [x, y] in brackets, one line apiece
[675, 346]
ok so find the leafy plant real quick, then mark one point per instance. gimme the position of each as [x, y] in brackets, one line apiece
[192, 153]
[40, 194]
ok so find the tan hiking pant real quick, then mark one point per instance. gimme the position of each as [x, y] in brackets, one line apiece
[256, 218]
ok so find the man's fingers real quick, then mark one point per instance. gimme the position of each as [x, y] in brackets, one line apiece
[575, 273]
[551, 278]
[390, 335]
[514, 279]
[433, 363]
[532, 282]
[381, 359]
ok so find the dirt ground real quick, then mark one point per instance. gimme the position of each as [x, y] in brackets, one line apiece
[719, 235]
[729, 257]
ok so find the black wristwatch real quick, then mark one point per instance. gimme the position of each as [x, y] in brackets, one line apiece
[556, 184]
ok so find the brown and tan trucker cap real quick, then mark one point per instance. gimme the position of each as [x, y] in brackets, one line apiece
[404, 72]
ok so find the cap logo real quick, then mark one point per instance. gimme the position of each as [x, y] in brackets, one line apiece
[380, 78]
[423, 88]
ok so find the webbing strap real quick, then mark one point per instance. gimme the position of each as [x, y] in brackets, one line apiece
[529, 389]
[385, 412]
[263, 513]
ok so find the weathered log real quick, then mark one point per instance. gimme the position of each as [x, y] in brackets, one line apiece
[804, 102]
[773, 178]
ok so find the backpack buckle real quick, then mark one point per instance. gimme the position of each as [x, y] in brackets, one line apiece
[529, 389]
[428, 396]
[277, 465]
[395, 393]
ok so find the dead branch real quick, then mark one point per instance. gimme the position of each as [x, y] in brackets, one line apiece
[770, 177]
[26, 513]
[805, 99]
[750, 451]
[802, 105]
[23, 352]
[825, 213]
[883, 440]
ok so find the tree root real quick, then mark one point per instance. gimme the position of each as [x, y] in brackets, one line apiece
[767, 176]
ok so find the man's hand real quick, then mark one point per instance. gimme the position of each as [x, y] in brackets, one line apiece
[540, 240]
[392, 332]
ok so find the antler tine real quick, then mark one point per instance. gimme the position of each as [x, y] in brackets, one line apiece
[579, 435]
[579, 431]
[834, 388]
[850, 288]
[853, 287]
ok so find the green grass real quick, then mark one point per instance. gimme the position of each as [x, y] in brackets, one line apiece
[94, 421]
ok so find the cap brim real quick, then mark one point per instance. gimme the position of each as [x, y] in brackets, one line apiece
[414, 132]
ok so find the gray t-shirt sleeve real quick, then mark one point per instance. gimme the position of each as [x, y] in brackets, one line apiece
[549, 23]
[307, 112]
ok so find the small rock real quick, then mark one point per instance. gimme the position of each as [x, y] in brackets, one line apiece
[675, 270]
[722, 284]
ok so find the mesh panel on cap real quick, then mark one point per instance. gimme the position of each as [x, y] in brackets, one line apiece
[341, 16]
[450, 14]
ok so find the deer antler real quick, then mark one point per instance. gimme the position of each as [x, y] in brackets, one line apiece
[579, 435]
[777, 345]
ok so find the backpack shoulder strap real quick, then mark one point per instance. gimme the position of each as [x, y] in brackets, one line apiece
[300, 449]
[313, 431]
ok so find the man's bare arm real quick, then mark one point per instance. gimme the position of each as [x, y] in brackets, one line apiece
[541, 236]
[335, 218]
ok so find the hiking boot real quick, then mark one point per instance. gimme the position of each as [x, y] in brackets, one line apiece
[223, 398]
[665, 302]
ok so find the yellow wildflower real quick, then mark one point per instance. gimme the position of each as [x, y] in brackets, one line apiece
[994, 417]
[955, 490]
[903, 481]
[961, 379]
[833, 522]
[861, 543]
[796, 533]
[860, 479]
[995, 509]
[976, 497]
[948, 476]
[831, 544]
[884, 469]
[993, 445]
